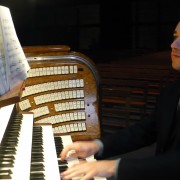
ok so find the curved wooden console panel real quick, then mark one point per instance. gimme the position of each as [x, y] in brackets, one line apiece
[62, 88]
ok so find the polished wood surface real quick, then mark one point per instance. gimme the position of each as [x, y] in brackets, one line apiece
[29, 50]
[13, 96]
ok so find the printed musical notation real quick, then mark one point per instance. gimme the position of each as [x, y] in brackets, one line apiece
[13, 62]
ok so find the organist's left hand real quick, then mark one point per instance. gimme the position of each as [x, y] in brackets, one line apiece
[89, 170]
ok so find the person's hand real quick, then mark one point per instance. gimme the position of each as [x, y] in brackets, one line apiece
[89, 170]
[81, 149]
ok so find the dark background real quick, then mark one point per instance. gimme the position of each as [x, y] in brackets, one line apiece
[96, 26]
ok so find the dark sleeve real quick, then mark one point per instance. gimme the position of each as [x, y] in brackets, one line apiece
[129, 139]
[165, 166]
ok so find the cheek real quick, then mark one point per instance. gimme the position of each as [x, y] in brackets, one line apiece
[176, 63]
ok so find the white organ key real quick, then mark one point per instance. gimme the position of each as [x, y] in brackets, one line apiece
[81, 82]
[51, 164]
[44, 71]
[64, 117]
[70, 94]
[22, 161]
[40, 71]
[84, 126]
[6, 116]
[74, 83]
[63, 95]
[74, 94]
[71, 116]
[55, 85]
[78, 105]
[59, 95]
[75, 116]
[66, 70]
[67, 117]
[48, 70]
[60, 118]
[53, 121]
[72, 127]
[71, 69]
[63, 106]
[64, 128]
[36, 72]
[79, 126]
[78, 94]
[74, 105]
[67, 94]
[59, 70]
[51, 70]
[63, 84]
[79, 115]
[56, 117]
[70, 105]
[56, 130]
[76, 127]
[55, 70]
[60, 129]
[52, 86]
[70, 83]
[52, 97]
[68, 128]
[83, 116]
[77, 83]
[67, 105]
[25, 104]
[75, 69]
[60, 107]
[81, 93]
[82, 104]
[63, 69]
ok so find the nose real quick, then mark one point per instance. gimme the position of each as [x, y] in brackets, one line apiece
[176, 43]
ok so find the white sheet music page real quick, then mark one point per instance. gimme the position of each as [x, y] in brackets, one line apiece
[13, 57]
[3, 81]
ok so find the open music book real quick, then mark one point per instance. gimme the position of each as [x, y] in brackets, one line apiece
[13, 62]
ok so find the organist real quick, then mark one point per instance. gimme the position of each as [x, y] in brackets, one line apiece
[161, 127]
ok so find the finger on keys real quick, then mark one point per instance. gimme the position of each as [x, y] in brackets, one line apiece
[68, 151]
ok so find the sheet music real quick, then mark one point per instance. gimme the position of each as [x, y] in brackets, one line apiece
[3, 87]
[13, 60]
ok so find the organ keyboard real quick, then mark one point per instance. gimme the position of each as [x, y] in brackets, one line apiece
[60, 143]
[30, 151]
[26, 151]
[61, 98]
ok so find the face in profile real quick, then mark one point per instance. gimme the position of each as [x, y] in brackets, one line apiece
[175, 53]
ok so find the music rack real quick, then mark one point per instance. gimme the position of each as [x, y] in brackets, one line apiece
[13, 96]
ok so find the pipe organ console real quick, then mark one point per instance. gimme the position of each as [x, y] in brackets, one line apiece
[62, 88]
[59, 104]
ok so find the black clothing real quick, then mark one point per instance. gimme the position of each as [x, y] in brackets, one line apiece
[158, 128]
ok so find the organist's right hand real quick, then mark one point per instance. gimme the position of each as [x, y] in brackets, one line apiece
[81, 149]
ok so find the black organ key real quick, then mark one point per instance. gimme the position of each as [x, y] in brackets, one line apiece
[6, 172]
[5, 176]
[60, 162]
[42, 161]
[63, 168]
[37, 158]
[37, 176]
[12, 161]
[37, 167]
[58, 144]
